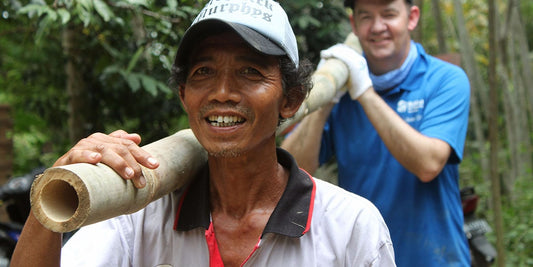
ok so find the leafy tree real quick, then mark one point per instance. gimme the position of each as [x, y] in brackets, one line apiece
[105, 66]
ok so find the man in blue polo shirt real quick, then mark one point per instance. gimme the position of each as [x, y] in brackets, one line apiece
[398, 135]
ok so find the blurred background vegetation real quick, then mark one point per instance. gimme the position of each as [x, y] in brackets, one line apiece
[69, 68]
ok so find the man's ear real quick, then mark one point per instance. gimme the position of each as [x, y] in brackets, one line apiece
[291, 103]
[414, 16]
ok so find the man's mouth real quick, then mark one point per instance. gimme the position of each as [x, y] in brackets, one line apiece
[224, 121]
[380, 39]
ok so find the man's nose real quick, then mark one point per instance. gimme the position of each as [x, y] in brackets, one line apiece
[379, 25]
[225, 88]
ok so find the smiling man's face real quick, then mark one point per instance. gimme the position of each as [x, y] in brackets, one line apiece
[383, 28]
[233, 96]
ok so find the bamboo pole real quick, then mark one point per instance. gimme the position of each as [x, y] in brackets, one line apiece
[494, 133]
[68, 197]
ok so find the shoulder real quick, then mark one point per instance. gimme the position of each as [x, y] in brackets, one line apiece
[441, 66]
[332, 193]
[352, 223]
[336, 202]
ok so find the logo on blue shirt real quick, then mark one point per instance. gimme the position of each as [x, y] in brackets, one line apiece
[410, 110]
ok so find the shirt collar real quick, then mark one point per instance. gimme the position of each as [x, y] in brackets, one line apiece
[415, 77]
[291, 217]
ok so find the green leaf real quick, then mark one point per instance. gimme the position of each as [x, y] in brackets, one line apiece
[86, 4]
[103, 10]
[51, 14]
[112, 69]
[167, 63]
[164, 88]
[134, 59]
[133, 81]
[133, 3]
[64, 15]
[83, 14]
[149, 84]
[32, 10]
[139, 2]
[172, 4]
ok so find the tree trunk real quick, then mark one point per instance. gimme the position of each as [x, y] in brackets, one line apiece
[493, 135]
[439, 29]
[521, 110]
[479, 96]
[510, 167]
[76, 86]
[527, 80]
[515, 97]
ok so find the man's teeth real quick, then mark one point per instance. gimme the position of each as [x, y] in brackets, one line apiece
[224, 121]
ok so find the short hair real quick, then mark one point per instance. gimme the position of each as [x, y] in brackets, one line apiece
[351, 3]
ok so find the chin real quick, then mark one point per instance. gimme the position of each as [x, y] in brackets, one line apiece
[381, 52]
[225, 153]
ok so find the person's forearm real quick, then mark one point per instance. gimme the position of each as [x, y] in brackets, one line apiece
[423, 156]
[37, 246]
[304, 142]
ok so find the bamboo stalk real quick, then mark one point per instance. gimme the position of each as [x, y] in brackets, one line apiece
[68, 197]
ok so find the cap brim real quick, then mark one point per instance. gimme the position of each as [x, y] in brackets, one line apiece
[209, 27]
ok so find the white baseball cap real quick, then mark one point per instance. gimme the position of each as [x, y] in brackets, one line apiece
[263, 24]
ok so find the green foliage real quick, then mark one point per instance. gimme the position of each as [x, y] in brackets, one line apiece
[518, 222]
[317, 24]
[30, 82]
[126, 49]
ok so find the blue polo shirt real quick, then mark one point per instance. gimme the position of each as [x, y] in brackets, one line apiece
[425, 219]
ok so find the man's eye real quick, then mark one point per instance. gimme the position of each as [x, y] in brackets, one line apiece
[364, 18]
[250, 71]
[202, 71]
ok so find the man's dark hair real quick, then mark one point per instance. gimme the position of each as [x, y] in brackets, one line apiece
[296, 82]
[350, 3]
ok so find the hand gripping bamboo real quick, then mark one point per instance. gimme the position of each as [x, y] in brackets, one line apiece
[329, 79]
[68, 197]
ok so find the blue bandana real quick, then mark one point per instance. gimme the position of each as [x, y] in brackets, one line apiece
[394, 77]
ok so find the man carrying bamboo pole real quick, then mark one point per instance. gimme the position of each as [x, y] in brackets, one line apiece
[398, 136]
[238, 74]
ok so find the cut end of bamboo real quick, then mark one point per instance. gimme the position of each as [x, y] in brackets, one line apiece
[59, 203]
[59, 200]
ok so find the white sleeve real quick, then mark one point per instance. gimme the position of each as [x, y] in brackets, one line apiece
[371, 235]
[100, 244]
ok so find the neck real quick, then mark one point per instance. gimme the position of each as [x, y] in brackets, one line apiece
[251, 181]
[379, 66]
